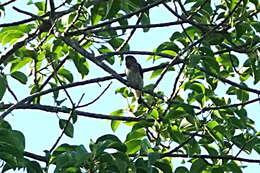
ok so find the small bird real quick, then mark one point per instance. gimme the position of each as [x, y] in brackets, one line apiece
[134, 76]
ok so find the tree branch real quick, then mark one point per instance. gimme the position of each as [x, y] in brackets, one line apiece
[95, 80]
[84, 31]
[225, 80]
[227, 157]
[55, 109]
[228, 106]
[6, 3]
[98, 97]
[123, 17]
[35, 156]
[57, 14]
[105, 67]
[104, 56]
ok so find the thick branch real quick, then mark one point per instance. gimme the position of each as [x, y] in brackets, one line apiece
[35, 156]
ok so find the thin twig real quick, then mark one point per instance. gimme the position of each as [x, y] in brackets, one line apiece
[94, 31]
[63, 131]
[6, 3]
[12, 93]
[98, 97]
[179, 146]
[27, 13]
[54, 72]
[121, 47]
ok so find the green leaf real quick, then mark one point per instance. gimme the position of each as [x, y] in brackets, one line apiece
[63, 148]
[12, 142]
[233, 167]
[242, 95]
[109, 141]
[113, 6]
[256, 71]
[155, 114]
[115, 123]
[66, 74]
[145, 146]
[110, 59]
[33, 167]
[20, 76]
[108, 137]
[182, 169]
[176, 35]
[198, 165]
[212, 124]
[55, 93]
[80, 63]
[40, 5]
[4, 124]
[74, 117]
[124, 91]
[153, 157]
[241, 29]
[141, 124]
[156, 73]
[163, 166]
[117, 42]
[193, 147]
[133, 146]
[168, 46]
[19, 63]
[68, 126]
[10, 36]
[145, 20]
[135, 134]
[3, 86]
[198, 87]
[215, 38]
[13, 33]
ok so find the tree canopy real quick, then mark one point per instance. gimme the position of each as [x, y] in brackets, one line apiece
[210, 62]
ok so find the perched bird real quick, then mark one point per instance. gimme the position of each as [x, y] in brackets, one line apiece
[134, 76]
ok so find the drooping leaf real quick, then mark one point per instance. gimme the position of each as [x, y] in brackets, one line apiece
[20, 76]
[67, 127]
[3, 86]
[66, 74]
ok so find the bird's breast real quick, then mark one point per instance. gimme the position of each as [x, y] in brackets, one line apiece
[134, 78]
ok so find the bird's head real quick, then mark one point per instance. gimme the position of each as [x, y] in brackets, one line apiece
[130, 60]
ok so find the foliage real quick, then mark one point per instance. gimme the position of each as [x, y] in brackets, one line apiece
[217, 42]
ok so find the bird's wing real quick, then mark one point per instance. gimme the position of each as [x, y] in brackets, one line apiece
[140, 70]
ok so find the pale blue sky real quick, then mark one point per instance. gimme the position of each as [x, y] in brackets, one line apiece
[41, 129]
